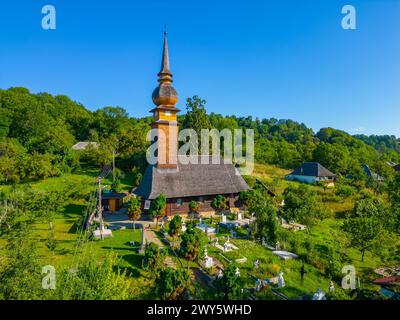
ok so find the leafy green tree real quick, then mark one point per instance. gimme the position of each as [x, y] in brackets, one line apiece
[266, 221]
[219, 203]
[230, 285]
[373, 207]
[193, 243]
[193, 206]
[301, 205]
[172, 283]
[153, 256]
[394, 189]
[175, 226]
[116, 186]
[93, 280]
[134, 210]
[137, 177]
[20, 272]
[363, 233]
[157, 207]
[46, 205]
[196, 115]
[51, 242]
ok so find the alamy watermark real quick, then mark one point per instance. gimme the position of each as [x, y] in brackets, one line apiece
[204, 149]
[49, 20]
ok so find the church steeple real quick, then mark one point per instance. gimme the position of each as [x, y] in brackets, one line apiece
[165, 94]
[165, 71]
[164, 114]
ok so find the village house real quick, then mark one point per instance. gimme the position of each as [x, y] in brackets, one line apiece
[371, 174]
[312, 172]
[182, 183]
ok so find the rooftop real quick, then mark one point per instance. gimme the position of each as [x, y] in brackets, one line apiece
[313, 169]
[190, 180]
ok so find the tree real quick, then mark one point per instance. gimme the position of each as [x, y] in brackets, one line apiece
[172, 283]
[193, 208]
[157, 207]
[116, 186]
[134, 210]
[394, 195]
[301, 205]
[363, 233]
[252, 198]
[94, 280]
[175, 226]
[137, 177]
[46, 205]
[219, 203]
[20, 277]
[193, 243]
[266, 223]
[196, 115]
[374, 207]
[230, 285]
[153, 256]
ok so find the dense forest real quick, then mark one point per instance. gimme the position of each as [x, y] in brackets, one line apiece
[38, 130]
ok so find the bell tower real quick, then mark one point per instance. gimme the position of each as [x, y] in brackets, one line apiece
[164, 114]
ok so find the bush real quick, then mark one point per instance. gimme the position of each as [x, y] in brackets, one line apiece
[172, 283]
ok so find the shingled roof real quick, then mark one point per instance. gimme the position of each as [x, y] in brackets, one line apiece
[191, 180]
[313, 169]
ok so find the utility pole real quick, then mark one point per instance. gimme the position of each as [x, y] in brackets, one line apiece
[100, 210]
[113, 164]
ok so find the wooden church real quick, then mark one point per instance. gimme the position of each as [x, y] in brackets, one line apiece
[182, 183]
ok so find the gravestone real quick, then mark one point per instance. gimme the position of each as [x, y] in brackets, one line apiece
[264, 243]
[331, 287]
[277, 246]
[142, 243]
[319, 295]
[223, 218]
[239, 216]
[281, 281]
[258, 284]
[256, 263]
[208, 261]
[237, 272]
[220, 274]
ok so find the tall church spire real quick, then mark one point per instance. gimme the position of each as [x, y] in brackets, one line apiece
[164, 114]
[165, 94]
[165, 58]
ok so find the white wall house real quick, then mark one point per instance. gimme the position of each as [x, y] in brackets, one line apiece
[312, 172]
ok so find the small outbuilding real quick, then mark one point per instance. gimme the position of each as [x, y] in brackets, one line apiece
[312, 172]
[112, 201]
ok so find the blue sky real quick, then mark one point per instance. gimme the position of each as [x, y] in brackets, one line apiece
[282, 59]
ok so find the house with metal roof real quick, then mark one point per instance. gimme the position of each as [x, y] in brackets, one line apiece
[312, 172]
[371, 174]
